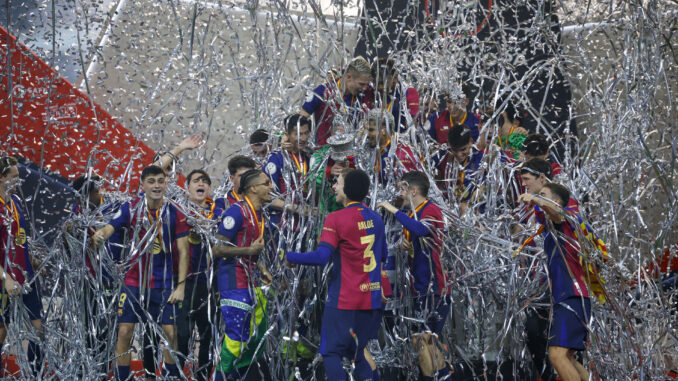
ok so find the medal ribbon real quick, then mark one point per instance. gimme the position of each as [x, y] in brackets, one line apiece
[411, 214]
[15, 213]
[158, 226]
[259, 223]
[301, 164]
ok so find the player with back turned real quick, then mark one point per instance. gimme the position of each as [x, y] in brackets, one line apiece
[354, 240]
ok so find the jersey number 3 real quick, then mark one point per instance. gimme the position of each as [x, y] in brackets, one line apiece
[369, 240]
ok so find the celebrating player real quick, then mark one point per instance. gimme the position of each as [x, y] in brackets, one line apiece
[243, 304]
[353, 239]
[154, 226]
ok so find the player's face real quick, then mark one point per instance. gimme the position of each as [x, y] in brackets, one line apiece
[389, 82]
[547, 194]
[154, 186]
[299, 137]
[406, 192]
[532, 184]
[374, 133]
[428, 104]
[235, 178]
[462, 153]
[356, 84]
[260, 149]
[338, 188]
[11, 179]
[262, 188]
[457, 107]
[198, 188]
[95, 197]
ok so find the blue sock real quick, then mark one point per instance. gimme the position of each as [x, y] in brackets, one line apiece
[333, 368]
[375, 375]
[123, 373]
[172, 369]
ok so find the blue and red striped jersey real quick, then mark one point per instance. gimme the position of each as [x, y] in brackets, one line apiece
[242, 226]
[426, 234]
[565, 271]
[14, 256]
[357, 239]
[199, 245]
[151, 234]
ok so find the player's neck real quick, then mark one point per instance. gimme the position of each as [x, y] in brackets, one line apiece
[347, 201]
[418, 200]
[256, 202]
[202, 204]
[3, 191]
[153, 204]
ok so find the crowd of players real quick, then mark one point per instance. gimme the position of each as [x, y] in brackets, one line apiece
[374, 191]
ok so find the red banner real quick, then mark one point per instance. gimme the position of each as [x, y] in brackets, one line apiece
[47, 120]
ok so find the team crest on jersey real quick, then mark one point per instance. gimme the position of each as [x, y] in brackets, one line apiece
[271, 168]
[309, 97]
[194, 237]
[20, 238]
[229, 223]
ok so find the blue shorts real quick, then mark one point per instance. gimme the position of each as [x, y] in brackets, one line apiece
[434, 309]
[340, 326]
[155, 305]
[568, 327]
[31, 302]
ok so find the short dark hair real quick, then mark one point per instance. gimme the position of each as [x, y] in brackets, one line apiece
[247, 179]
[514, 112]
[240, 161]
[559, 191]
[536, 145]
[383, 67]
[259, 136]
[458, 136]
[202, 174]
[7, 162]
[151, 170]
[536, 167]
[86, 184]
[296, 120]
[356, 185]
[417, 179]
[466, 89]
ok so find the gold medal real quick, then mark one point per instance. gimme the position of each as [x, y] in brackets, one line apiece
[194, 238]
[20, 238]
[157, 245]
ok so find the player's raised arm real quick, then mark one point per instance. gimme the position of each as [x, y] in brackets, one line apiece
[192, 142]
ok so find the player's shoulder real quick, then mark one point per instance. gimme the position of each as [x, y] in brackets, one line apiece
[232, 217]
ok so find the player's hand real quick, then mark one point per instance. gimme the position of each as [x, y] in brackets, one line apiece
[192, 142]
[406, 244]
[265, 275]
[337, 168]
[527, 198]
[177, 295]
[290, 264]
[285, 143]
[11, 286]
[387, 205]
[98, 238]
[257, 247]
